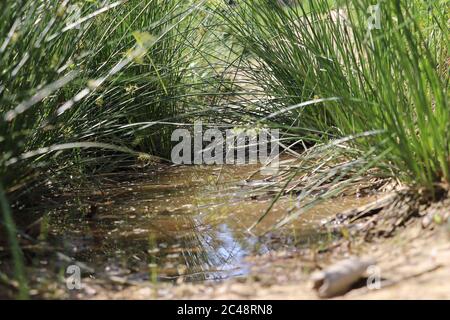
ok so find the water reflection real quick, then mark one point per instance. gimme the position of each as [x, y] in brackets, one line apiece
[188, 222]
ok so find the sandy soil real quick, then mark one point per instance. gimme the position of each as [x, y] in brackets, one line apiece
[413, 264]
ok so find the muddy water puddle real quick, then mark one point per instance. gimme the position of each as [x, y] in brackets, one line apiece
[189, 222]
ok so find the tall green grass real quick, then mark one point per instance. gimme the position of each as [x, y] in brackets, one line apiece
[17, 255]
[327, 76]
[74, 74]
[86, 85]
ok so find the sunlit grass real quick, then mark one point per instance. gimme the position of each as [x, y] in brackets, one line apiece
[80, 72]
[85, 84]
[357, 80]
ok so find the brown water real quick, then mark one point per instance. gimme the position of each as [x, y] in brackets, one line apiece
[188, 222]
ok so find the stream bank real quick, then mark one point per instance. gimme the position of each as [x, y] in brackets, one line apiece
[181, 232]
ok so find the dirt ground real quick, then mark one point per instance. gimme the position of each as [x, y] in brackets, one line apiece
[414, 263]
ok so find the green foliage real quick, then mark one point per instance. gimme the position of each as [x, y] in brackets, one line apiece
[86, 83]
[393, 79]
[101, 72]
[16, 251]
